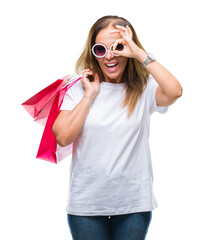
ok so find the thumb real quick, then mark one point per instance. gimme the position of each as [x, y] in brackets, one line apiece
[118, 53]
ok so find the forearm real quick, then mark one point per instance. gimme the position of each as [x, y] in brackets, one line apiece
[67, 127]
[168, 83]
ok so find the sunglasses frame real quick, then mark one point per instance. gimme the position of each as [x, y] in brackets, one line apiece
[106, 50]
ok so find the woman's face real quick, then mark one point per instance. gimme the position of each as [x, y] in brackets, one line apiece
[112, 66]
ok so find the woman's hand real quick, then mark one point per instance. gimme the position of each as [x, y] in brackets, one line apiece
[91, 88]
[131, 50]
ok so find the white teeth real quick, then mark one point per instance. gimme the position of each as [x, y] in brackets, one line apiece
[111, 64]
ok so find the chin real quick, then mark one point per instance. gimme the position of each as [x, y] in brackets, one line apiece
[113, 77]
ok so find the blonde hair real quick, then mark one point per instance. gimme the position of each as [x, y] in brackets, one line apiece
[135, 76]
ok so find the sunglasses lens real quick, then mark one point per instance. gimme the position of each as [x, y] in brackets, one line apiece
[99, 50]
[119, 47]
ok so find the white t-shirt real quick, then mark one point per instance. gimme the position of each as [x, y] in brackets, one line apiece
[111, 170]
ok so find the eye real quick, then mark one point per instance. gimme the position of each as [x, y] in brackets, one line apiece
[119, 47]
[99, 50]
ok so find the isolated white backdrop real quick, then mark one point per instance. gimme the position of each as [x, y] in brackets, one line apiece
[40, 42]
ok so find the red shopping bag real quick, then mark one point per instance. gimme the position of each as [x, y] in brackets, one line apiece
[36, 103]
[45, 106]
[49, 149]
[67, 81]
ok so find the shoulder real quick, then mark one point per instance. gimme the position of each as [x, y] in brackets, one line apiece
[73, 95]
[75, 89]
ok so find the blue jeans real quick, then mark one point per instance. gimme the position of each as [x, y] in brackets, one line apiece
[133, 226]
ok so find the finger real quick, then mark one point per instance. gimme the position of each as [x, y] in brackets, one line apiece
[85, 82]
[118, 41]
[114, 31]
[129, 29]
[117, 30]
[92, 78]
[84, 76]
[85, 71]
[124, 29]
[88, 76]
[89, 72]
[119, 53]
[122, 33]
[121, 27]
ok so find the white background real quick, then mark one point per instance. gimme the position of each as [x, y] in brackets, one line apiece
[40, 42]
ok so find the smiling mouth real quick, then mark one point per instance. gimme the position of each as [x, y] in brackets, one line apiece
[111, 66]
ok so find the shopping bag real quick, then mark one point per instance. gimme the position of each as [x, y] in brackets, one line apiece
[44, 107]
[49, 149]
[68, 81]
[36, 103]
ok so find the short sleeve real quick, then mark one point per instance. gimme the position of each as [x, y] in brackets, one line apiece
[151, 95]
[72, 96]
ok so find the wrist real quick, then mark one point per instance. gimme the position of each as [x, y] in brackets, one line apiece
[141, 55]
[88, 99]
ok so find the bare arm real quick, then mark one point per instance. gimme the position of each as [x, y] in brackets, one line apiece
[169, 88]
[69, 123]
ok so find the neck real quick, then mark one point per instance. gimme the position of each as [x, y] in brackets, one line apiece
[111, 80]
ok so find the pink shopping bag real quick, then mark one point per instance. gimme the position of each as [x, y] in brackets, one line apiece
[44, 107]
[36, 103]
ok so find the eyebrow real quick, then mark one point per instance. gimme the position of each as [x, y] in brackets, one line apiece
[103, 43]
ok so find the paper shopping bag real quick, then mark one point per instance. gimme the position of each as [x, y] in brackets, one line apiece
[39, 105]
[49, 150]
[37, 102]
[44, 107]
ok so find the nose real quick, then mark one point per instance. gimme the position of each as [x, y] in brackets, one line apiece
[109, 55]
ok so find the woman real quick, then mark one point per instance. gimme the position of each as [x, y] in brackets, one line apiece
[107, 120]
